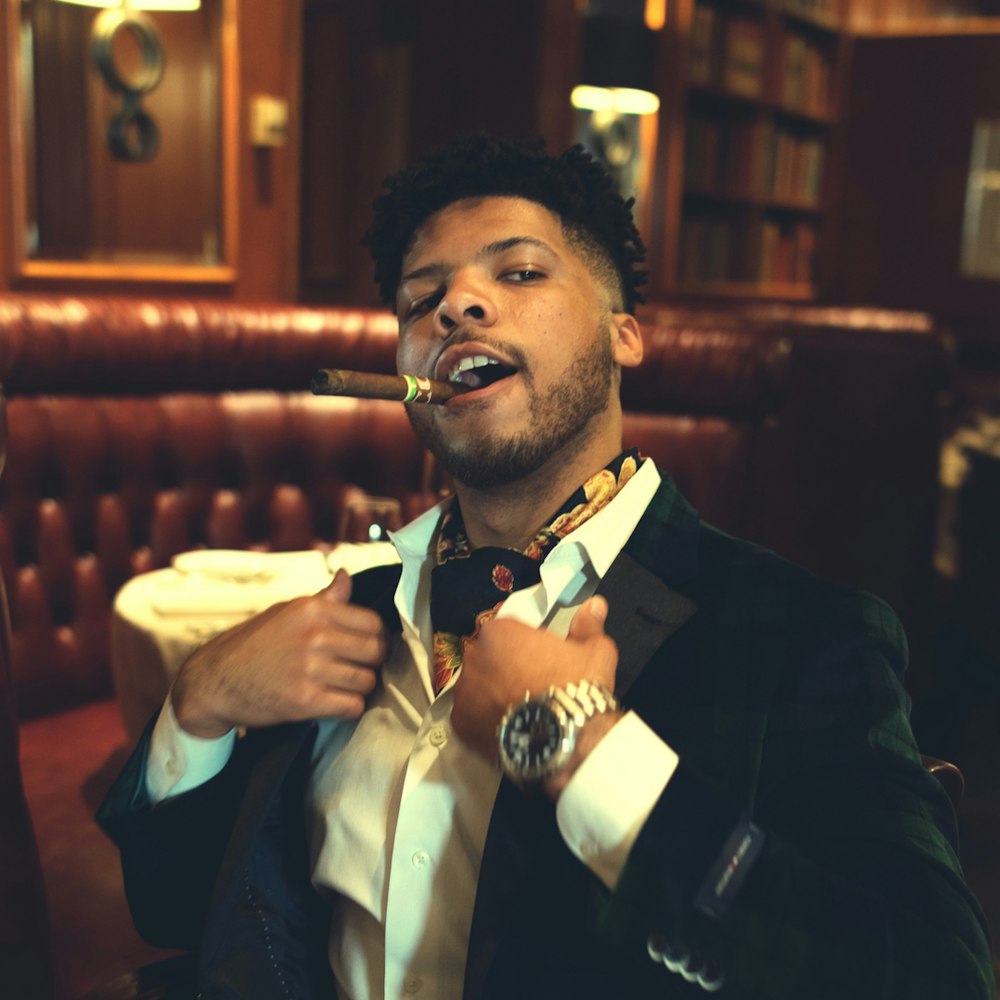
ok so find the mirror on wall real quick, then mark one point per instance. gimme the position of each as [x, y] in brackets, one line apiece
[124, 139]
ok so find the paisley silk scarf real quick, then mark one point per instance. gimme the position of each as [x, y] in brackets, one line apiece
[469, 585]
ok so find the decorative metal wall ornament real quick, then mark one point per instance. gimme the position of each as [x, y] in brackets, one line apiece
[132, 133]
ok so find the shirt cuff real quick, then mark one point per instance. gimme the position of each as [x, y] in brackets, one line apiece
[604, 805]
[177, 761]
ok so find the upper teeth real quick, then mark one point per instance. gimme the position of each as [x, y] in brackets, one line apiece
[476, 361]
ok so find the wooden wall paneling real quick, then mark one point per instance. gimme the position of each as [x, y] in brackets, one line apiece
[663, 234]
[833, 223]
[475, 68]
[356, 72]
[388, 81]
[559, 61]
[326, 59]
[909, 121]
[60, 116]
[270, 46]
[7, 223]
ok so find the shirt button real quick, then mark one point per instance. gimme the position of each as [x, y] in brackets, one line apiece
[412, 984]
[420, 859]
[588, 849]
[170, 766]
[438, 736]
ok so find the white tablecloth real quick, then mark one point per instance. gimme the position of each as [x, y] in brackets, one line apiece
[160, 617]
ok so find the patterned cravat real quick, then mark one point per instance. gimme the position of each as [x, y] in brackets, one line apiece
[468, 585]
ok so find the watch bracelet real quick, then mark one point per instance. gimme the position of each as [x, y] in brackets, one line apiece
[583, 700]
[574, 705]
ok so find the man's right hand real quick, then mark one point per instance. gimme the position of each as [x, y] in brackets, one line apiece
[308, 658]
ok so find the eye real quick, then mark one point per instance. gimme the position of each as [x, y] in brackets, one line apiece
[524, 274]
[418, 307]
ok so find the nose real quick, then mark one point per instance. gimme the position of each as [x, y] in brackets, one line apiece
[467, 302]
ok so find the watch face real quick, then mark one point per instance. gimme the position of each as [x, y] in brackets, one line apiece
[532, 742]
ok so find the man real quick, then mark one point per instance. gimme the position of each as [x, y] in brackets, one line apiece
[708, 780]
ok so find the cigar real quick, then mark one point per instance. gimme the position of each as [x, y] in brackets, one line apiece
[368, 385]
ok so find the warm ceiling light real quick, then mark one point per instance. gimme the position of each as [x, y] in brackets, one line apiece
[623, 100]
[140, 4]
[655, 14]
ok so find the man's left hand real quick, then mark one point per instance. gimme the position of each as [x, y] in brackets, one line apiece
[509, 658]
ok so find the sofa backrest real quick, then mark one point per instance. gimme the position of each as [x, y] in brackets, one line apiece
[141, 428]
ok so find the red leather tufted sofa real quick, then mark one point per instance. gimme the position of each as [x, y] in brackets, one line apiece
[142, 428]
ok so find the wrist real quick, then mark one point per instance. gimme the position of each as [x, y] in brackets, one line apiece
[544, 738]
[589, 736]
[191, 713]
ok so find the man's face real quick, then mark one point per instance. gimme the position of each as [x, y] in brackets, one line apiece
[494, 296]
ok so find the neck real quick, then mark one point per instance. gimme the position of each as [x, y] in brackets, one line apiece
[510, 515]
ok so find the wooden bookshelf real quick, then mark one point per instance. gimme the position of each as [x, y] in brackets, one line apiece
[746, 172]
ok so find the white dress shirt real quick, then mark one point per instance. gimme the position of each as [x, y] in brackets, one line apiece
[399, 807]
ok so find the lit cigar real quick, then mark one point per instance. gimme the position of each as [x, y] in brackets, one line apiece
[368, 385]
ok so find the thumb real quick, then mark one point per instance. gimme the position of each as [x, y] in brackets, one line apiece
[589, 618]
[338, 591]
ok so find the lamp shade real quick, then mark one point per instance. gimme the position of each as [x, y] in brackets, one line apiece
[619, 52]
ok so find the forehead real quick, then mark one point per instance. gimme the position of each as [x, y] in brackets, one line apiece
[467, 225]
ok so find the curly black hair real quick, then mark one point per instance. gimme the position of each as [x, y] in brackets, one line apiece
[597, 221]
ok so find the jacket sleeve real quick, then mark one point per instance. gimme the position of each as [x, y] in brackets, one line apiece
[172, 852]
[837, 875]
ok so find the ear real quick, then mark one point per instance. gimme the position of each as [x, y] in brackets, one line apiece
[626, 345]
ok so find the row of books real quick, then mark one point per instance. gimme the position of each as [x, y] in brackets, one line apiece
[803, 70]
[732, 52]
[724, 250]
[726, 51]
[755, 159]
[826, 11]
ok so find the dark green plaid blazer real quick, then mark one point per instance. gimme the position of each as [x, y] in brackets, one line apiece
[800, 852]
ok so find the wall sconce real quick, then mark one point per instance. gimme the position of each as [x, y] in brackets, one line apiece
[132, 133]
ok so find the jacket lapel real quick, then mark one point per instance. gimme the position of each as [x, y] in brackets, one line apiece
[644, 611]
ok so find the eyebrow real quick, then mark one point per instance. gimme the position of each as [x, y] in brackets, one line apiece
[490, 250]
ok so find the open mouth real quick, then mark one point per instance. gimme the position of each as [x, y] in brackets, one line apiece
[479, 371]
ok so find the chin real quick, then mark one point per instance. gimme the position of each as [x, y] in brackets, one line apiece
[483, 466]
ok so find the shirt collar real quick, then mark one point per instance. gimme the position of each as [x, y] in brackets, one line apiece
[593, 546]
[601, 537]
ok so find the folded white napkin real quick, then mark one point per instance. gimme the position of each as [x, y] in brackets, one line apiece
[356, 556]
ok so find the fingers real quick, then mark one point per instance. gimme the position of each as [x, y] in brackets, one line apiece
[510, 658]
[309, 657]
[336, 689]
[335, 705]
[334, 647]
[338, 591]
[589, 618]
[330, 612]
